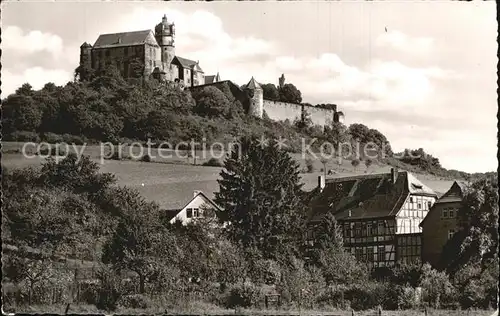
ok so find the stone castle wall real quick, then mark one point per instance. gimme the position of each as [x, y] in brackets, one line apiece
[280, 111]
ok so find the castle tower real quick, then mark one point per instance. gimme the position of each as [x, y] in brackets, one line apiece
[282, 81]
[85, 60]
[256, 95]
[165, 36]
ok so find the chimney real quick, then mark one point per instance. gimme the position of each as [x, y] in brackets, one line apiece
[394, 175]
[321, 183]
[196, 192]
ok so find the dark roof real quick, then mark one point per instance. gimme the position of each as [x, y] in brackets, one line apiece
[188, 63]
[85, 44]
[209, 79]
[122, 39]
[252, 84]
[365, 196]
[453, 195]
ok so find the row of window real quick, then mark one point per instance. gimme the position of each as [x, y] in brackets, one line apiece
[449, 213]
[193, 213]
[368, 254]
[367, 229]
[124, 50]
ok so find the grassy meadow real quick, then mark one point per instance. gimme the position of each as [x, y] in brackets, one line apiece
[170, 180]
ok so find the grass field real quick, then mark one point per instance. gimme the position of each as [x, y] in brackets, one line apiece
[170, 180]
[199, 308]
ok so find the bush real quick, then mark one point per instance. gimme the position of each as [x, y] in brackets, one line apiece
[23, 136]
[244, 295]
[213, 162]
[52, 138]
[146, 158]
[309, 165]
[135, 301]
[74, 139]
[110, 291]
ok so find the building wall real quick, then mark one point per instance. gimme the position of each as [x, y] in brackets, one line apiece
[199, 203]
[435, 231]
[413, 213]
[124, 56]
[280, 111]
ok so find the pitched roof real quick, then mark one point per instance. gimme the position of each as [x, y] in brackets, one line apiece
[209, 79]
[454, 194]
[252, 84]
[188, 63]
[365, 196]
[122, 39]
[171, 213]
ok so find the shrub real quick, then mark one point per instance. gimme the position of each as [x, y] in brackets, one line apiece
[135, 301]
[52, 138]
[244, 295]
[23, 136]
[110, 291]
[74, 139]
[146, 158]
[309, 165]
[213, 162]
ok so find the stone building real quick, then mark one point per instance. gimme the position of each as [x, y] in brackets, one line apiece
[441, 223]
[142, 54]
[379, 215]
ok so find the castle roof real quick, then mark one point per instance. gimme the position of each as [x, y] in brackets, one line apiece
[365, 196]
[122, 39]
[188, 63]
[252, 84]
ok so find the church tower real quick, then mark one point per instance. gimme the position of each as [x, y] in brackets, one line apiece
[165, 36]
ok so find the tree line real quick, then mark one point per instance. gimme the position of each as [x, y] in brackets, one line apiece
[71, 209]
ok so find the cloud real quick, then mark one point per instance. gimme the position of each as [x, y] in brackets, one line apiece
[15, 39]
[400, 41]
[37, 77]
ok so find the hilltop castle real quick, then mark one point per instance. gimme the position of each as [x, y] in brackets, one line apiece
[143, 54]
[147, 54]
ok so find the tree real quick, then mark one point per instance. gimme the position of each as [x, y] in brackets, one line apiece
[436, 286]
[360, 132]
[20, 113]
[270, 92]
[260, 193]
[477, 238]
[212, 102]
[355, 163]
[290, 93]
[139, 241]
[341, 267]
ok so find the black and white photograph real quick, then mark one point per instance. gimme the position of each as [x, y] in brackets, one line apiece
[332, 158]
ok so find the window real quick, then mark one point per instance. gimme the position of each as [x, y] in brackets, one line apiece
[125, 51]
[445, 213]
[107, 53]
[381, 253]
[357, 230]
[189, 213]
[429, 205]
[369, 229]
[369, 254]
[451, 232]
[196, 212]
[419, 205]
[451, 213]
[381, 228]
[358, 253]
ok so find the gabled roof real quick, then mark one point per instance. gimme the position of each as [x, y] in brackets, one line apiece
[171, 213]
[252, 84]
[209, 79]
[188, 63]
[365, 196]
[453, 195]
[122, 39]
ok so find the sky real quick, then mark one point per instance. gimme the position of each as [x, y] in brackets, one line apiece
[422, 73]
